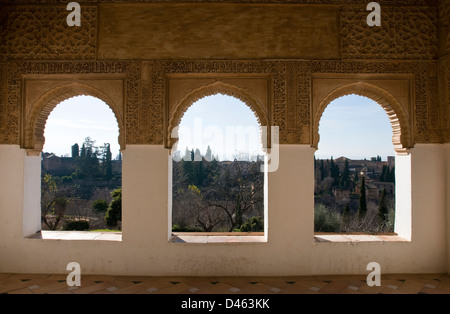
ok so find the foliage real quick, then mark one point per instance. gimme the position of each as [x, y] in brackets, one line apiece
[254, 224]
[326, 220]
[362, 208]
[387, 174]
[215, 195]
[93, 161]
[382, 208]
[100, 206]
[114, 213]
[78, 225]
[53, 201]
[178, 228]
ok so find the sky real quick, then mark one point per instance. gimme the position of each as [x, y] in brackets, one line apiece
[222, 122]
[351, 126]
[77, 118]
[355, 127]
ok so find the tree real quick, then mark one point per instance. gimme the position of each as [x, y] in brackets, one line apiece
[383, 176]
[355, 177]
[334, 171]
[236, 190]
[391, 175]
[53, 202]
[114, 213]
[208, 154]
[383, 208]
[88, 165]
[362, 208]
[254, 224]
[100, 206]
[107, 163]
[346, 213]
[345, 177]
[326, 220]
[322, 170]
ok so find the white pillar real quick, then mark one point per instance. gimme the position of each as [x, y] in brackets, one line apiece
[31, 195]
[403, 198]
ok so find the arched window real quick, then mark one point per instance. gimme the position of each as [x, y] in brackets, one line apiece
[81, 167]
[354, 168]
[217, 182]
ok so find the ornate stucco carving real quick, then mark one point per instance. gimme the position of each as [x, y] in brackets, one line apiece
[402, 137]
[218, 87]
[444, 27]
[34, 123]
[414, 34]
[41, 32]
[145, 88]
[33, 120]
[405, 33]
[3, 101]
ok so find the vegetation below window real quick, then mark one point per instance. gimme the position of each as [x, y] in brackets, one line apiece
[217, 196]
[81, 192]
[354, 195]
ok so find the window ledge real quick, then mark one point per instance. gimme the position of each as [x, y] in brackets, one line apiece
[218, 237]
[356, 238]
[77, 235]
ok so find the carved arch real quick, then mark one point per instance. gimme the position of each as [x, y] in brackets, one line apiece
[33, 132]
[218, 87]
[402, 132]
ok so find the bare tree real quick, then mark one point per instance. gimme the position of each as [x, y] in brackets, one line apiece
[236, 191]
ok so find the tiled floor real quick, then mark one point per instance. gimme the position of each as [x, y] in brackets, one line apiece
[90, 284]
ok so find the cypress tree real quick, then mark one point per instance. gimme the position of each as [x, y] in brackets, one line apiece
[108, 162]
[362, 208]
[345, 178]
[322, 170]
[345, 213]
[383, 173]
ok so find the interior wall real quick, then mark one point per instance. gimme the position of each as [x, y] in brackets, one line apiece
[289, 250]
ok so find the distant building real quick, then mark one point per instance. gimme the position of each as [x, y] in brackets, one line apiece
[65, 166]
[389, 186]
[58, 166]
[341, 194]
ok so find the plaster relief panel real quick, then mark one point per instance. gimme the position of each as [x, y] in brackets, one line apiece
[41, 32]
[42, 93]
[405, 33]
[184, 90]
[213, 31]
[392, 92]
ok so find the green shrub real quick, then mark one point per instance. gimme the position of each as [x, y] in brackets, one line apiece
[77, 225]
[114, 213]
[100, 206]
[325, 219]
[254, 224]
[178, 228]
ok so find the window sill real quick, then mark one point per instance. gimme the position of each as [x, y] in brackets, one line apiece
[357, 237]
[77, 235]
[218, 237]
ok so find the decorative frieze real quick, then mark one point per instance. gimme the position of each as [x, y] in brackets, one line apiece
[291, 110]
[41, 32]
[405, 33]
